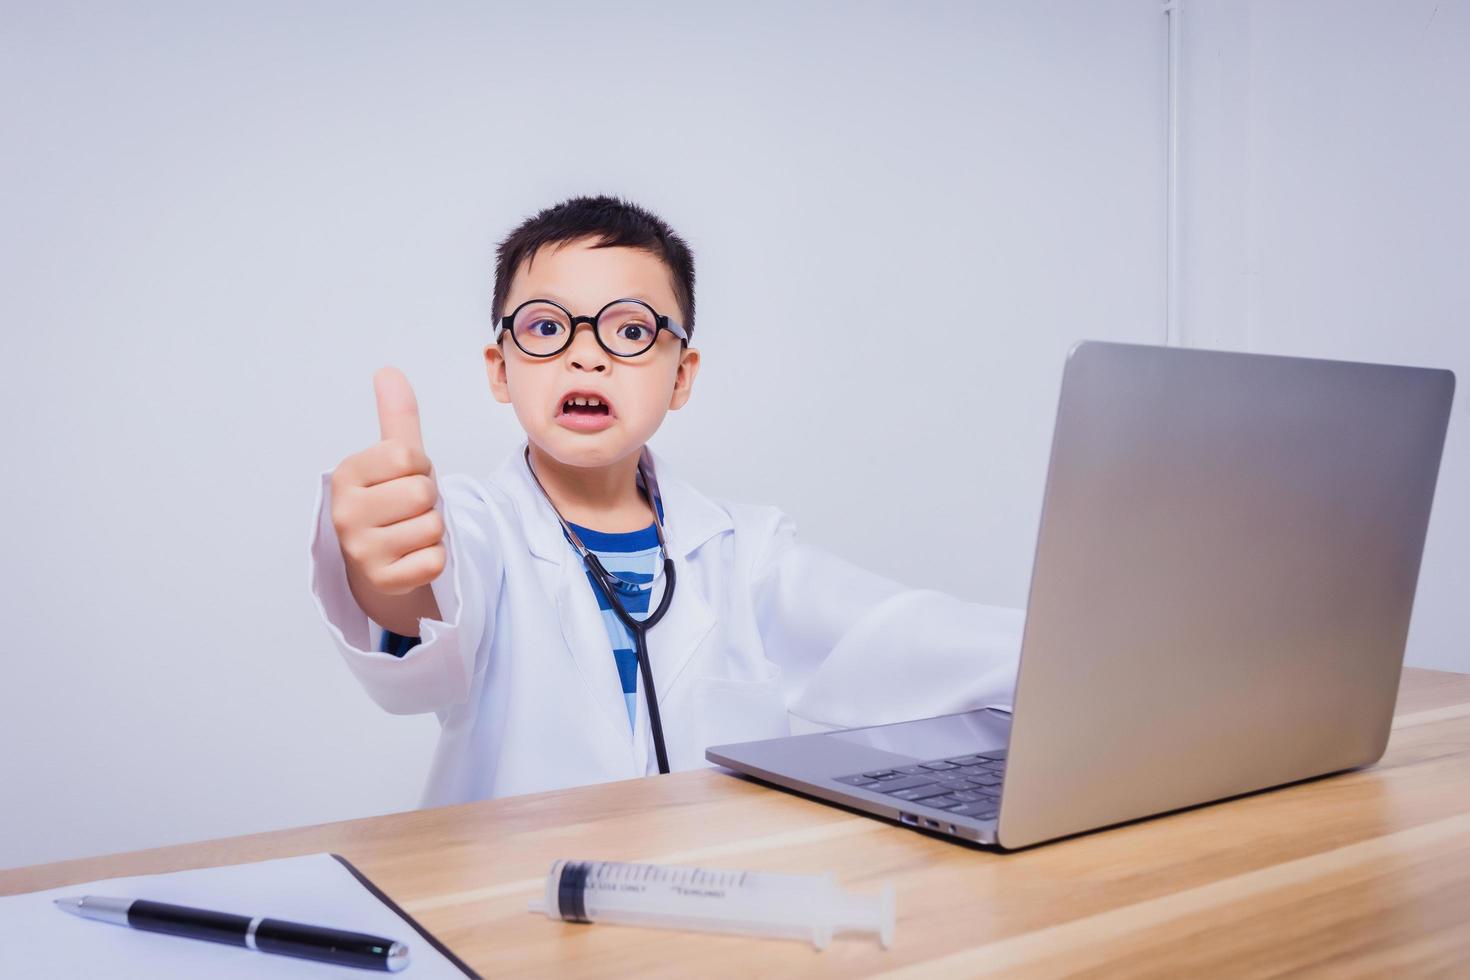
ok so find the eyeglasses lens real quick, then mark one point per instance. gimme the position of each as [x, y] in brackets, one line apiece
[626, 328]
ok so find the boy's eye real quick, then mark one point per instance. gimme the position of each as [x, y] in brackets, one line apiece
[545, 328]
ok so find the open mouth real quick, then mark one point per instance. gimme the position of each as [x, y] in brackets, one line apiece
[585, 407]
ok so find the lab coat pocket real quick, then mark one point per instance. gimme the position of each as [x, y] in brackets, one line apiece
[730, 709]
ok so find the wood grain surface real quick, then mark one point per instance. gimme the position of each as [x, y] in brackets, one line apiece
[1361, 874]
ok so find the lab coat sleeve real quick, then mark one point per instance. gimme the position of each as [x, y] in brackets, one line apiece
[437, 672]
[856, 648]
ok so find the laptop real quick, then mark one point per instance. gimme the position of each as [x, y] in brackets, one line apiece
[1225, 567]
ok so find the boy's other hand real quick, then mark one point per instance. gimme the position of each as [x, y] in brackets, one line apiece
[385, 501]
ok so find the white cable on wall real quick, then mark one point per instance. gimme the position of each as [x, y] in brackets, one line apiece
[1173, 329]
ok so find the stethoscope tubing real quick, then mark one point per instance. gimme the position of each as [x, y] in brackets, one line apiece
[639, 629]
[640, 637]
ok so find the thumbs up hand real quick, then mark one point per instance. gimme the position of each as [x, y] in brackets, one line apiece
[398, 409]
[385, 506]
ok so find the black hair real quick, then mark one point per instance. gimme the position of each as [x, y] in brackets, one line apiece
[614, 222]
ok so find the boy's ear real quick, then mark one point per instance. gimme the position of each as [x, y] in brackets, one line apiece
[684, 379]
[495, 370]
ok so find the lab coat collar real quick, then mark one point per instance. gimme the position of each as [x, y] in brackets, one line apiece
[690, 519]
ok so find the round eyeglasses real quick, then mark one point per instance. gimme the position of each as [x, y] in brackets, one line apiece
[623, 328]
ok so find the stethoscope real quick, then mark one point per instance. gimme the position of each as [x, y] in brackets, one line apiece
[610, 583]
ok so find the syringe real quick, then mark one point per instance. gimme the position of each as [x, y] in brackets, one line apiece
[713, 900]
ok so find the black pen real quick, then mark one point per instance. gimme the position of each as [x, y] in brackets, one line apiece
[258, 933]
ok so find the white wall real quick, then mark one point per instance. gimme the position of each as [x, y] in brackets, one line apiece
[221, 219]
[219, 222]
[1327, 214]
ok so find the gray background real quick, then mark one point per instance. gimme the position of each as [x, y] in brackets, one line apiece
[218, 221]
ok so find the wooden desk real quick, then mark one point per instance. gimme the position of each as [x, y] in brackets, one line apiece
[1365, 873]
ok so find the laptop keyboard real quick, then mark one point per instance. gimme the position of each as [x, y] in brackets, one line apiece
[967, 785]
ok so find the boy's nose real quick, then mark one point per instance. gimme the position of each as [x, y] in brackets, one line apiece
[585, 351]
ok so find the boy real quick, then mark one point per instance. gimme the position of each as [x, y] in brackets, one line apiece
[485, 611]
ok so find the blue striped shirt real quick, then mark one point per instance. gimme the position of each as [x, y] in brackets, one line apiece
[630, 555]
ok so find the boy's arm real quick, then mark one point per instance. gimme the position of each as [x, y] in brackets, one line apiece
[397, 613]
[862, 649]
[436, 672]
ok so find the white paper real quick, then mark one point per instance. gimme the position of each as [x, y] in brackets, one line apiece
[38, 939]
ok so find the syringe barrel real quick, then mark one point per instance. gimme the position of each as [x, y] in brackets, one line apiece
[753, 903]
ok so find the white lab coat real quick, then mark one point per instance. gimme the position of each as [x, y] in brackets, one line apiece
[763, 631]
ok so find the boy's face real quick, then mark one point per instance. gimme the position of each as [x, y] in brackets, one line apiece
[638, 390]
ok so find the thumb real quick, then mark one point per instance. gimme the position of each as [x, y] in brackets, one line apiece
[398, 410]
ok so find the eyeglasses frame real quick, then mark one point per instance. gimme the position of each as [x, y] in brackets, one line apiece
[660, 323]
